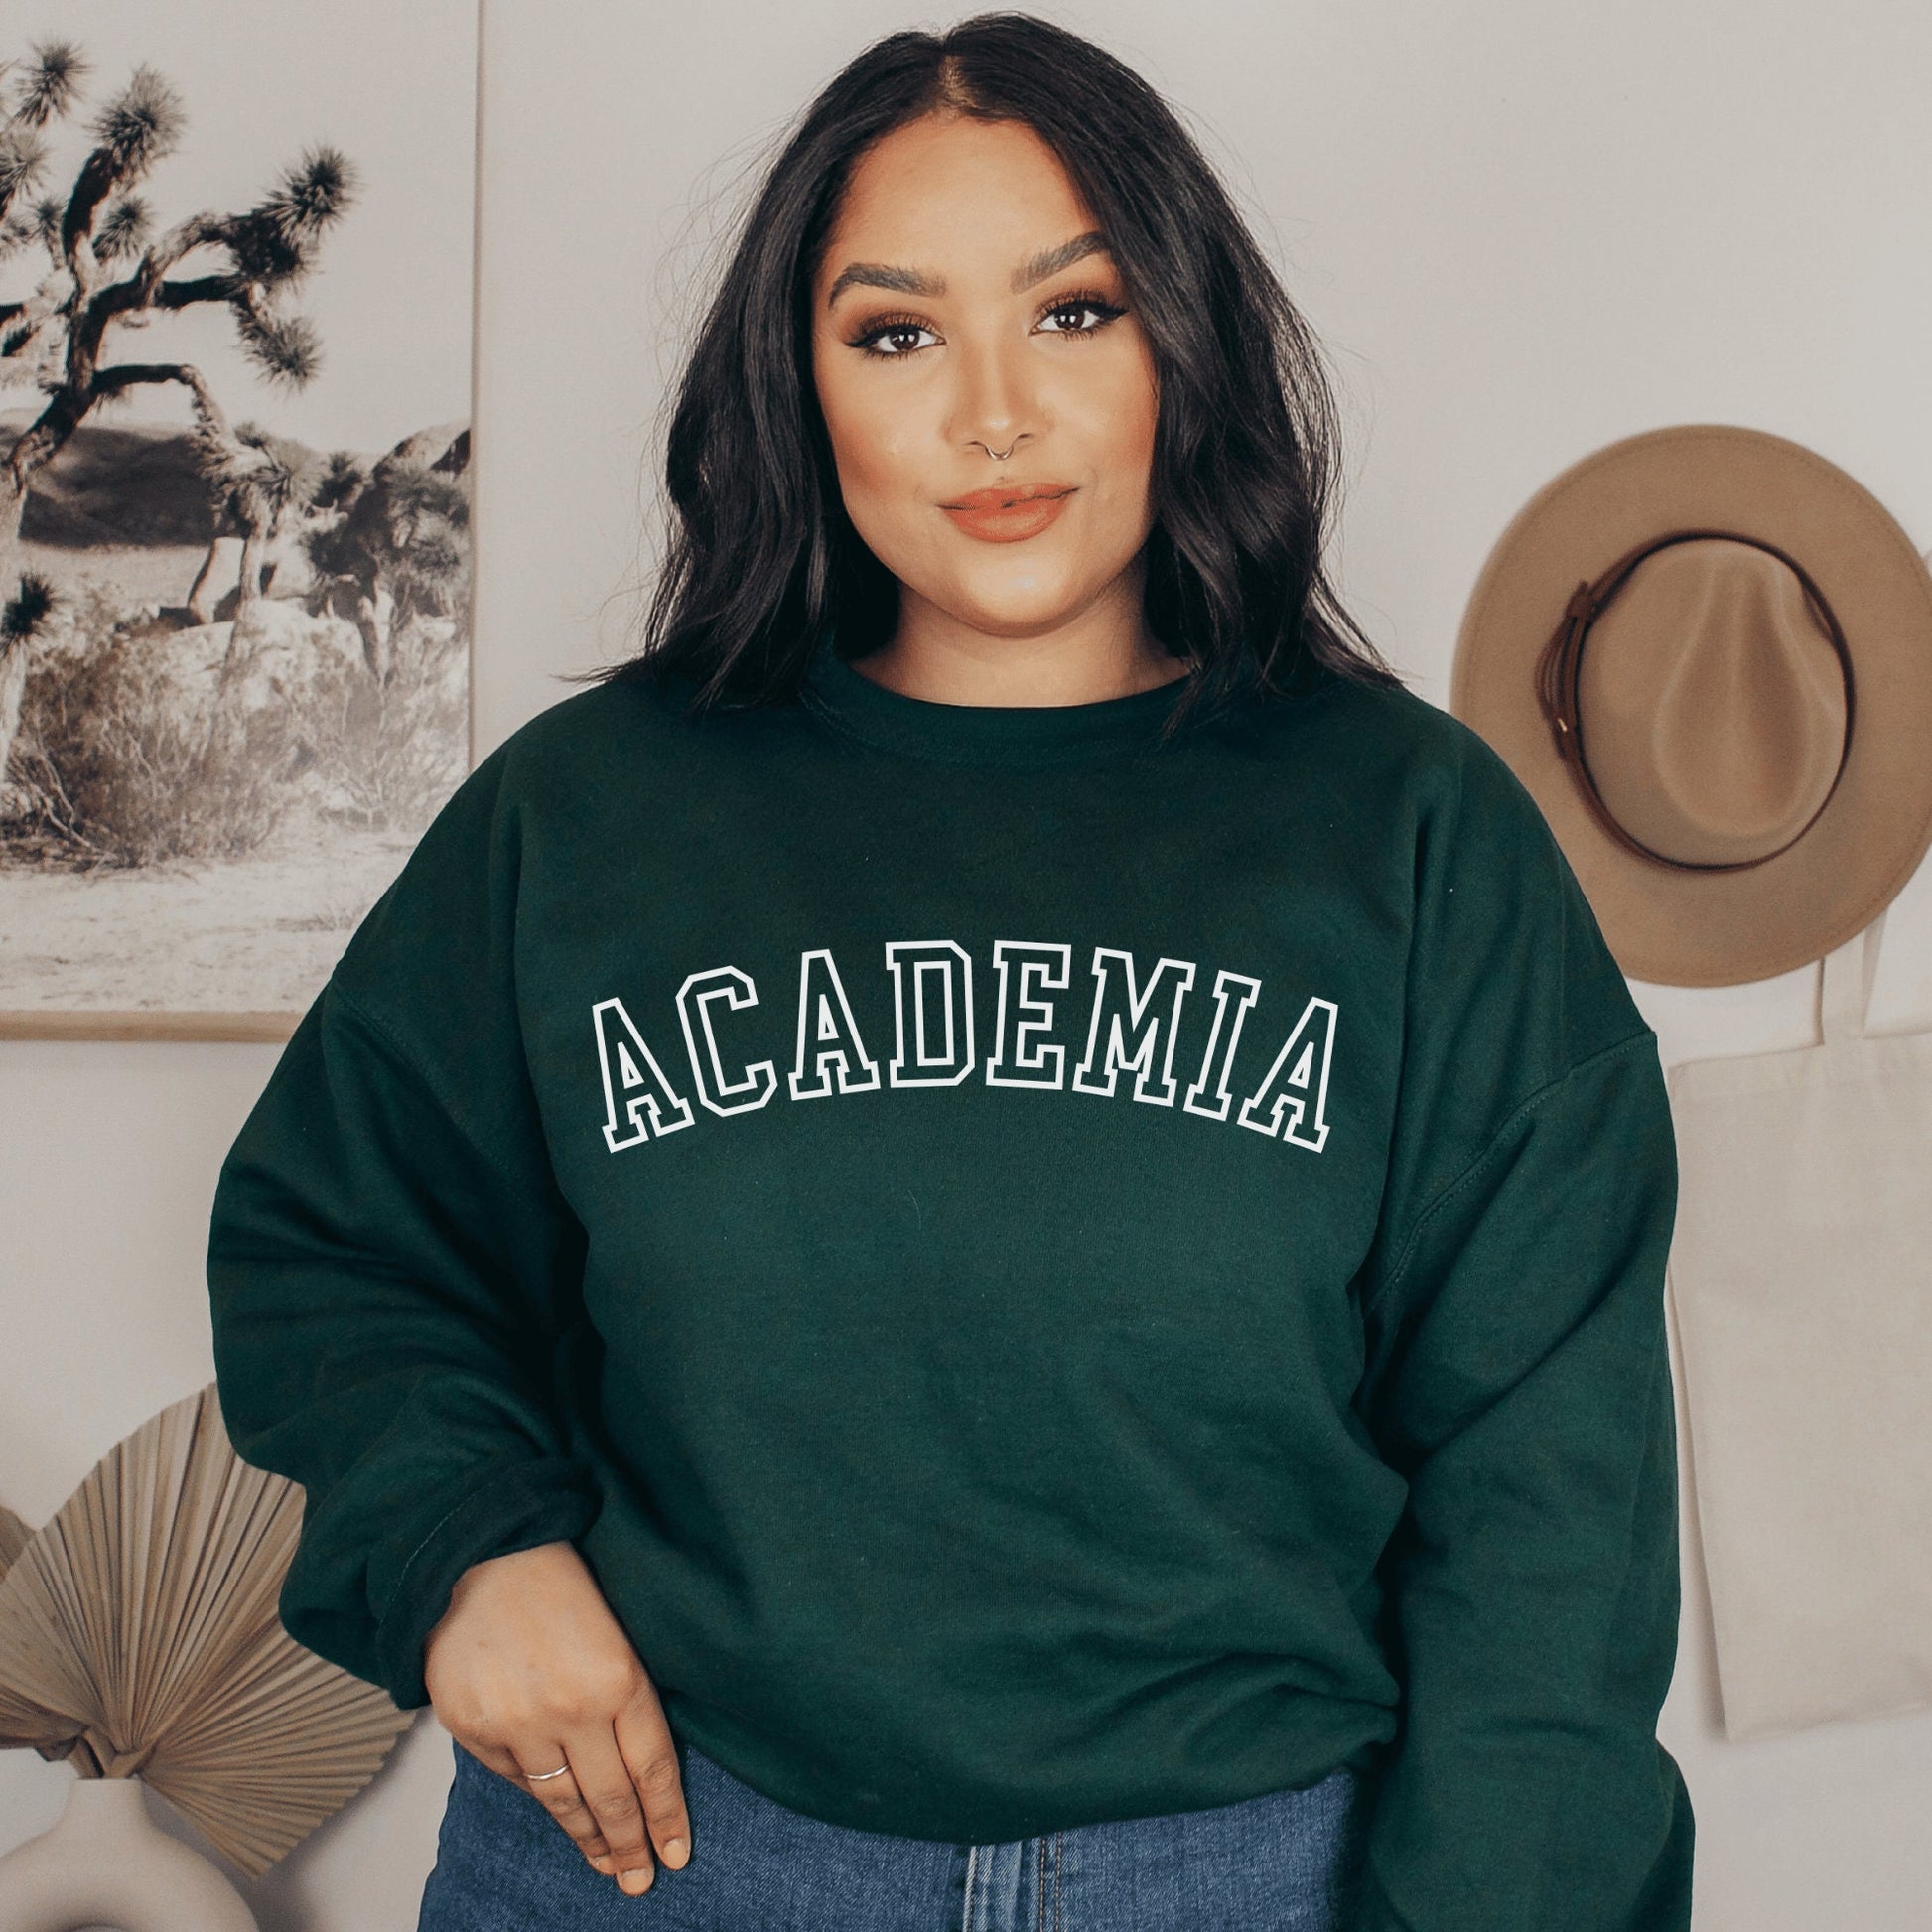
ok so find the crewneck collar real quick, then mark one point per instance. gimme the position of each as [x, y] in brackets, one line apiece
[972, 733]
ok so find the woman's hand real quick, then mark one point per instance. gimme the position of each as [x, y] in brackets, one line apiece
[529, 1670]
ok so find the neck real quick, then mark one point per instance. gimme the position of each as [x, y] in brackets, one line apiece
[1101, 654]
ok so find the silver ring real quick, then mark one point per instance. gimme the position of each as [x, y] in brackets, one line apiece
[537, 1777]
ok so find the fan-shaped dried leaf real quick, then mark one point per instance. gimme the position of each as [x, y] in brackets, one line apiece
[139, 1632]
[14, 1535]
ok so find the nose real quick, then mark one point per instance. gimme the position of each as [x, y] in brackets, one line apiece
[994, 404]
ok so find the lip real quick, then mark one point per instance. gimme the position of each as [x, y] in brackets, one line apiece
[1007, 497]
[1009, 515]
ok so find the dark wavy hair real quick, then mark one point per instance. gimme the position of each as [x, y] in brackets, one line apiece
[761, 554]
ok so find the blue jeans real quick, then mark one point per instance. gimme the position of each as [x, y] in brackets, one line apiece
[1286, 1861]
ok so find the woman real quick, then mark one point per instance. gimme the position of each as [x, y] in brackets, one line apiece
[983, 1244]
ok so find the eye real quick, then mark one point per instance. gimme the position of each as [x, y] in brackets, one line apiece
[1086, 302]
[888, 326]
[878, 329]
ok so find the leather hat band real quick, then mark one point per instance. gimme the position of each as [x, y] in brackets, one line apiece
[1558, 667]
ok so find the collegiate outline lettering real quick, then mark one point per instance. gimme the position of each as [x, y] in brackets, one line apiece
[1144, 1025]
[1129, 1024]
[929, 958]
[836, 1037]
[1223, 1094]
[669, 1110]
[1046, 1066]
[701, 991]
[1317, 1012]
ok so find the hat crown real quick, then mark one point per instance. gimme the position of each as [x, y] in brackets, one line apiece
[1550, 653]
[1711, 703]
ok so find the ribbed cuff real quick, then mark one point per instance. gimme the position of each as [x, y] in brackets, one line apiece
[507, 1510]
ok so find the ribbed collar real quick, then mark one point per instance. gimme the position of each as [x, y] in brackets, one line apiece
[972, 733]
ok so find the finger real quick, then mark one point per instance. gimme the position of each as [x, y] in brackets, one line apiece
[498, 1759]
[503, 1762]
[559, 1795]
[605, 1781]
[651, 1755]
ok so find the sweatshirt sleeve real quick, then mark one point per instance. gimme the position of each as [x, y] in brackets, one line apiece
[1517, 1376]
[390, 1266]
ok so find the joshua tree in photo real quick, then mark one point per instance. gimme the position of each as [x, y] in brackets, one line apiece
[21, 616]
[104, 270]
[261, 485]
[399, 544]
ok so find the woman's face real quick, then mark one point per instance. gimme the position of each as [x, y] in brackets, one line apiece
[954, 313]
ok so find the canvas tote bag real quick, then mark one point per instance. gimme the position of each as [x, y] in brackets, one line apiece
[1801, 1276]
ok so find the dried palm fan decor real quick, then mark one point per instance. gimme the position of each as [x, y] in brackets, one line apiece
[139, 1638]
[14, 1535]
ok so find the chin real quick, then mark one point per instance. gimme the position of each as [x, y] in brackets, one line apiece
[1016, 608]
[1014, 619]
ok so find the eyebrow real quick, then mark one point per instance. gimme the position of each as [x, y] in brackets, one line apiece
[911, 281]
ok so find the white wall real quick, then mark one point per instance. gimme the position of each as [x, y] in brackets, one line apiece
[1523, 227]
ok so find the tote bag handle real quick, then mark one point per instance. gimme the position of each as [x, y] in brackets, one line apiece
[1846, 977]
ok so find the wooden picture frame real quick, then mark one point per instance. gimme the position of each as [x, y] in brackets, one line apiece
[235, 589]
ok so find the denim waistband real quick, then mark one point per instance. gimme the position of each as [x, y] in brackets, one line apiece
[1289, 1861]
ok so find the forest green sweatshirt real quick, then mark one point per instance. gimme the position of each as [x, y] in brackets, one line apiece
[1052, 1276]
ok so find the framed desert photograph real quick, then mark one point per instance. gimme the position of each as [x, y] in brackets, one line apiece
[235, 363]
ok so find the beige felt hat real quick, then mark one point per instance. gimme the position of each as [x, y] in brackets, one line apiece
[1706, 651]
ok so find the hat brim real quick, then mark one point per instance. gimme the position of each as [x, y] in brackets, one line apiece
[1685, 928]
